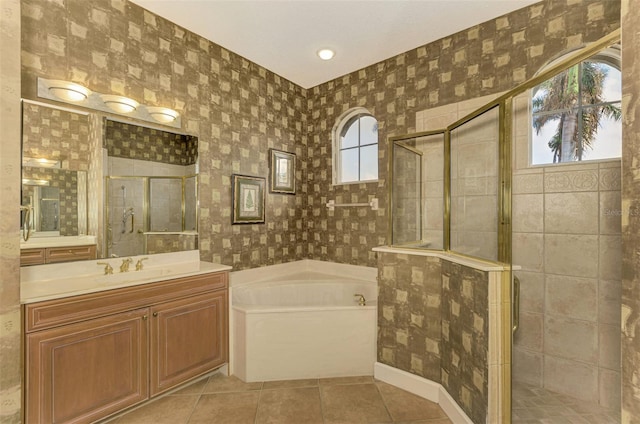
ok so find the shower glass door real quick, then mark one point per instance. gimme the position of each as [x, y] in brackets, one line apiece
[126, 209]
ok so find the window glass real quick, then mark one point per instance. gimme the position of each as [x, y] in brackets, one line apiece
[577, 115]
[356, 148]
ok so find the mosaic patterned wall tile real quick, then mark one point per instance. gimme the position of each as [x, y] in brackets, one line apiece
[10, 321]
[237, 109]
[166, 243]
[465, 338]
[129, 141]
[630, 213]
[67, 182]
[409, 299]
[482, 60]
[56, 134]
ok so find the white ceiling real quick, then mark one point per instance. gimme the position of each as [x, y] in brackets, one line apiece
[284, 35]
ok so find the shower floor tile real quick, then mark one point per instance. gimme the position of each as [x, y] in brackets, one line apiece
[535, 405]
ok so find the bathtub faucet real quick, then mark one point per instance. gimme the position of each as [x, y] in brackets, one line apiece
[361, 300]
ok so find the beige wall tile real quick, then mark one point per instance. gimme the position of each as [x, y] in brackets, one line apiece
[529, 210]
[528, 183]
[527, 366]
[610, 257]
[529, 335]
[571, 213]
[571, 297]
[571, 339]
[609, 385]
[531, 291]
[609, 298]
[610, 212]
[572, 378]
[528, 251]
[609, 337]
[565, 255]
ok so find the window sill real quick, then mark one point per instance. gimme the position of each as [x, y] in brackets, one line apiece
[355, 182]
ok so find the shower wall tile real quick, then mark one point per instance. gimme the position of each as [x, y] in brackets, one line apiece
[571, 339]
[566, 376]
[529, 366]
[609, 355]
[528, 251]
[571, 297]
[609, 384]
[530, 336]
[571, 213]
[525, 183]
[609, 298]
[529, 208]
[563, 181]
[610, 257]
[564, 254]
[610, 212]
[532, 291]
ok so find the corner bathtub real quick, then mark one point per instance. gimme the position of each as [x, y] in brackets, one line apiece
[303, 325]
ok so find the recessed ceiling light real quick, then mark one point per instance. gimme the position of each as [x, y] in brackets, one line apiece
[326, 54]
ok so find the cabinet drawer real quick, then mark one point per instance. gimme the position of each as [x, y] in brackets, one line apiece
[57, 312]
[72, 253]
[32, 256]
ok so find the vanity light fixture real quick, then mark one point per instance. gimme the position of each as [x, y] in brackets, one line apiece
[28, 181]
[40, 162]
[119, 104]
[162, 114]
[326, 54]
[72, 93]
[68, 91]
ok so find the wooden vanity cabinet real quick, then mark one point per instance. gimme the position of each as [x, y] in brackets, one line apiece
[50, 255]
[90, 356]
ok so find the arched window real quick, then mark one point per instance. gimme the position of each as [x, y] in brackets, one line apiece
[355, 148]
[576, 115]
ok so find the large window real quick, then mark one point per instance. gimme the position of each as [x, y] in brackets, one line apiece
[356, 148]
[577, 113]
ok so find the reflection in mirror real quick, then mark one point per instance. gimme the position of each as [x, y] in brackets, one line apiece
[152, 190]
[66, 140]
[55, 158]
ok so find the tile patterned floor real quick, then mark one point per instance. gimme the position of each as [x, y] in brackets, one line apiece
[534, 405]
[349, 400]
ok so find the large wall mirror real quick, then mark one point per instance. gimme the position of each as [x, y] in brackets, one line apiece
[148, 178]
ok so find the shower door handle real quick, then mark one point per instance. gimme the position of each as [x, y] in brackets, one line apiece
[132, 218]
[516, 305]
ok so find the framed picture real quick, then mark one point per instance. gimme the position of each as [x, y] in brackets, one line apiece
[282, 170]
[248, 199]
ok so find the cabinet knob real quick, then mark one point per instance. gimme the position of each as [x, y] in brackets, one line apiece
[155, 314]
[145, 317]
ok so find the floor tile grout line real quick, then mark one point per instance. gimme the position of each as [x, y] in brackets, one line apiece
[384, 402]
[255, 419]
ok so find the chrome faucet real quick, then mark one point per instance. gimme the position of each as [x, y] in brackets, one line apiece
[139, 264]
[125, 265]
[361, 300]
[108, 269]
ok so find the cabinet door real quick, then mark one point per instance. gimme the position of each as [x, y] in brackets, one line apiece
[188, 337]
[71, 253]
[82, 372]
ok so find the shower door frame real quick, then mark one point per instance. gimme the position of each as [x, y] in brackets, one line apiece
[505, 140]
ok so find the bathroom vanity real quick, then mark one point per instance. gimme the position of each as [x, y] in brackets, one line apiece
[49, 250]
[95, 345]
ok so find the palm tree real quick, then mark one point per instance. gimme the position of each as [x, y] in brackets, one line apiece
[578, 107]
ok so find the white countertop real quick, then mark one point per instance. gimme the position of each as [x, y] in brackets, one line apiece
[55, 281]
[57, 241]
